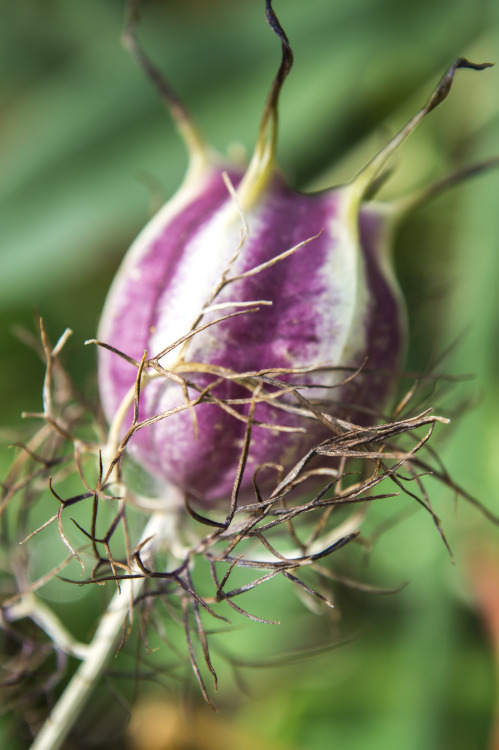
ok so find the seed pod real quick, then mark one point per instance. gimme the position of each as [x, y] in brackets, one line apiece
[307, 294]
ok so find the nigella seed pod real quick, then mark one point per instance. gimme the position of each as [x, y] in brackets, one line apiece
[239, 288]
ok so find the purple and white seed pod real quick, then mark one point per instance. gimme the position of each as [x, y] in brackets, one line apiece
[311, 281]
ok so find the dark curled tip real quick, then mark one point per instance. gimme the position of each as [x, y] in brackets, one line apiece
[287, 53]
[193, 139]
[131, 43]
[261, 163]
[462, 62]
[276, 27]
[445, 84]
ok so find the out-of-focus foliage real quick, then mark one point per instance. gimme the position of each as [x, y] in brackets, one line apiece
[87, 152]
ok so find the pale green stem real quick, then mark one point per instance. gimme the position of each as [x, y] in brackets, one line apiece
[31, 606]
[109, 632]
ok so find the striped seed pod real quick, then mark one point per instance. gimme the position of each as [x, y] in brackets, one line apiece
[246, 294]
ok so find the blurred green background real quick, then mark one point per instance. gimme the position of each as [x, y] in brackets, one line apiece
[87, 152]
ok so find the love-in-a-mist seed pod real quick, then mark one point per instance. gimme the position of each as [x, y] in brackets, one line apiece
[308, 287]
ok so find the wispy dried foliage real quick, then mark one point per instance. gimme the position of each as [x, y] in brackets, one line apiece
[289, 531]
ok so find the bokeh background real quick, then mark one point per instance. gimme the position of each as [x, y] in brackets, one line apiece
[87, 154]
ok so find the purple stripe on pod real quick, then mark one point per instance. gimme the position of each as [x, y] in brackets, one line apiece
[130, 314]
[387, 322]
[329, 298]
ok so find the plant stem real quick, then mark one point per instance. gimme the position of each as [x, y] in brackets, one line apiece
[71, 703]
[31, 606]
